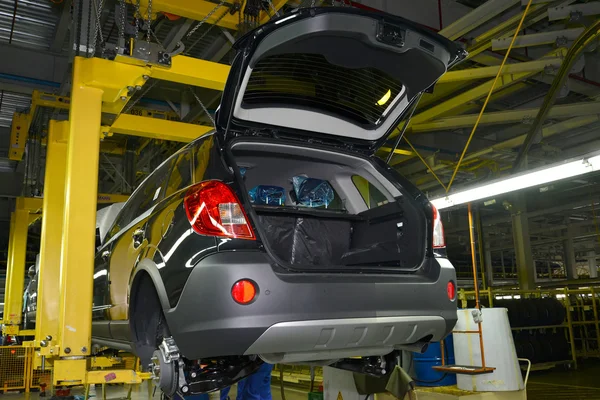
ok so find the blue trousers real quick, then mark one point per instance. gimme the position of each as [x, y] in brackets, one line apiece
[254, 387]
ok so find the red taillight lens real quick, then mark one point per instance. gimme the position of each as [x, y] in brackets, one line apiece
[439, 241]
[243, 291]
[213, 209]
[451, 289]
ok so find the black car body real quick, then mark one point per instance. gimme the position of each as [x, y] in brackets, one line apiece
[195, 268]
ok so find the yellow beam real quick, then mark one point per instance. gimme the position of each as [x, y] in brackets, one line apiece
[46, 323]
[476, 93]
[194, 72]
[81, 189]
[193, 9]
[19, 131]
[157, 128]
[490, 72]
[507, 117]
[467, 97]
[15, 269]
[398, 151]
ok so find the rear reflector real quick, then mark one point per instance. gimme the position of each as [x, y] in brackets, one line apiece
[243, 291]
[213, 209]
[451, 289]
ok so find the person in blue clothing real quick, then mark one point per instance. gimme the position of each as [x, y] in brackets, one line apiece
[254, 387]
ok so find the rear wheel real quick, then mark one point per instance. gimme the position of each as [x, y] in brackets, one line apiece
[146, 319]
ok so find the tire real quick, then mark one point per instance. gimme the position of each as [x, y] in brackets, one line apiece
[146, 319]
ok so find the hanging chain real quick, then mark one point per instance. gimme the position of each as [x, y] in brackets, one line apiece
[98, 29]
[121, 26]
[207, 31]
[136, 16]
[203, 106]
[210, 14]
[133, 102]
[149, 22]
[272, 6]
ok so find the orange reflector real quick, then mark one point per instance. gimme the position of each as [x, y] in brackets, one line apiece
[451, 289]
[243, 291]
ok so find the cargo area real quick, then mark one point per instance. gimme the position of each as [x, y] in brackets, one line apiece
[349, 217]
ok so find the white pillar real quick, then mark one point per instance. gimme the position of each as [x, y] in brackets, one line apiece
[592, 265]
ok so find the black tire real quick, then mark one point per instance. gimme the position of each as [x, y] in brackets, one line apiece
[146, 319]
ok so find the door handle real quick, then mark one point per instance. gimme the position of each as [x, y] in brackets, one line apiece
[105, 255]
[138, 238]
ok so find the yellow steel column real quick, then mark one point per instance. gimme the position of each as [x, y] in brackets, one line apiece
[8, 268]
[46, 323]
[15, 279]
[78, 237]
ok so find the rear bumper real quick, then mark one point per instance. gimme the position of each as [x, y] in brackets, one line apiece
[304, 317]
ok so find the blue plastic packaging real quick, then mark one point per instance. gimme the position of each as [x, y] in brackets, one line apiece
[312, 192]
[266, 195]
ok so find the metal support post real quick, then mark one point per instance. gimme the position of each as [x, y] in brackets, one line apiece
[488, 263]
[569, 254]
[15, 277]
[46, 323]
[78, 237]
[522, 241]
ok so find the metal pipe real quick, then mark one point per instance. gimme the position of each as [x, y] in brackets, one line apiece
[586, 38]
[406, 123]
[476, 285]
[487, 99]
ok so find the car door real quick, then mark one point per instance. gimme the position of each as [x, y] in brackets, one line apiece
[129, 242]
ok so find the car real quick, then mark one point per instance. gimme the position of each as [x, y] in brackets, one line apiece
[280, 237]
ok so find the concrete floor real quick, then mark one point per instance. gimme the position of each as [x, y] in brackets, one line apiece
[558, 383]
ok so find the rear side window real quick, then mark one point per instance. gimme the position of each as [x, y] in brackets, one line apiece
[150, 192]
[181, 176]
[370, 194]
[201, 150]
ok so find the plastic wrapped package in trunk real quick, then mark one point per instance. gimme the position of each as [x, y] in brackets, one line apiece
[307, 241]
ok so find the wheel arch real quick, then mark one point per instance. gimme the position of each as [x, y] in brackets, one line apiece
[147, 267]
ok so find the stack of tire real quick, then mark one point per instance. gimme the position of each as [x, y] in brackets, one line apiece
[534, 342]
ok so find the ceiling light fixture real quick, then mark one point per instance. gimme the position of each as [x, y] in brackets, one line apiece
[526, 180]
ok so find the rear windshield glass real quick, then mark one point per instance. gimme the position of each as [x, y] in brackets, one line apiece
[359, 95]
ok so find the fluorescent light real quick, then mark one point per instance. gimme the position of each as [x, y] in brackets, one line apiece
[526, 180]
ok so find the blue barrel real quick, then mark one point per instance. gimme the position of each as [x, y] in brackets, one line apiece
[425, 375]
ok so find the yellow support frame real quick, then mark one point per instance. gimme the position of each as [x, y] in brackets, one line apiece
[15, 273]
[81, 189]
[19, 131]
[52, 223]
[199, 9]
[154, 128]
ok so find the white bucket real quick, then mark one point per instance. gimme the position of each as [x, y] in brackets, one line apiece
[499, 351]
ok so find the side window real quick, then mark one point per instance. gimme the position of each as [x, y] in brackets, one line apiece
[370, 194]
[201, 157]
[146, 195]
[181, 176]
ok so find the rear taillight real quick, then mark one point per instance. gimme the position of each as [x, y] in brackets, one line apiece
[213, 209]
[439, 241]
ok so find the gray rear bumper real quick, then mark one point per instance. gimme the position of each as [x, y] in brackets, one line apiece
[301, 317]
